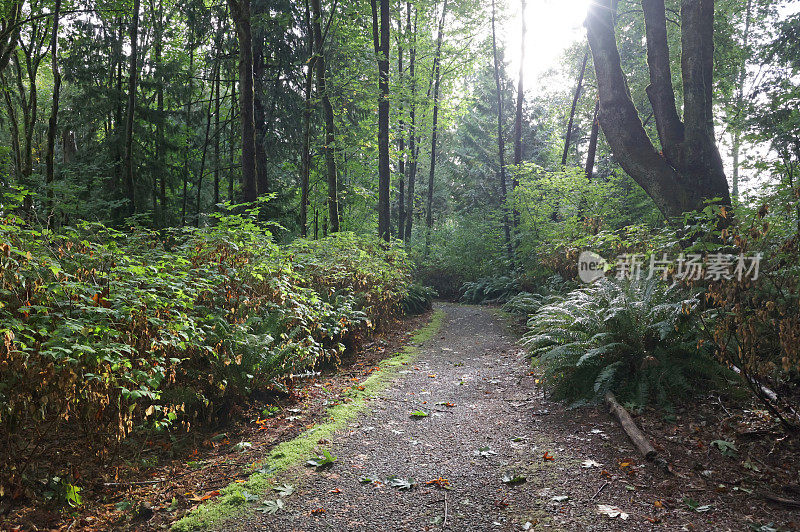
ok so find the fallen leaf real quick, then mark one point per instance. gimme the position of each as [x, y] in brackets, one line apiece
[548, 456]
[589, 463]
[611, 511]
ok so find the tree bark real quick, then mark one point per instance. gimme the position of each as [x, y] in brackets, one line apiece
[518, 115]
[576, 97]
[412, 130]
[130, 184]
[327, 112]
[737, 129]
[592, 151]
[501, 141]
[9, 30]
[401, 139]
[689, 173]
[305, 158]
[380, 32]
[240, 12]
[437, 79]
[53, 123]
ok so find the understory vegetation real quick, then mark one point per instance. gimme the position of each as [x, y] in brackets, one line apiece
[106, 332]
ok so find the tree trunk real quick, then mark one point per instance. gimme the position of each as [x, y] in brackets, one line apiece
[437, 79]
[132, 80]
[160, 218]
[401, 140]
[578, 87]
[305, 158]
[327, 112]
[232, 142]
[53, 123]
[240, 12]
[501, 141]
[592, 151]
[412, 130]
[736, 141]
[518, 115]
[690, 170]
[381, 42]
[9, 30]
[217, 131]
[188, 128]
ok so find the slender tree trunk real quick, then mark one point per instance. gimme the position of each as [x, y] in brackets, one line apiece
[327, 112]
[217, 131]
[401, 141]
[575, 98]
[9, 30]
[130, 184]
[437, 79]
[380, 31]
[202, 171]
[412, 131]
[188, 128]
[305, 158]
[592, 151]
[240, 12]
[161, 219]
[736, 141]
[518, 115]
[501, 174]
[52, 125]
[232, 142]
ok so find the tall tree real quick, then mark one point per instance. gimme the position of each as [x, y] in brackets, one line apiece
[689, 169]
[240, 13]
[381, 42]
[518, 114]
[327, 112]
[575, 98]
[736, 140]
[10, 26]
[593, 136]
[305, 157]
[437, 74]
[53, 122]
[412, 117]
[127, 161]
[500, 139]
[401, 139]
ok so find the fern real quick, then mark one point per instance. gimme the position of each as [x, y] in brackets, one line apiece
[637, 339]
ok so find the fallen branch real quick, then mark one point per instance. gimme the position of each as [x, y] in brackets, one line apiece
[638, 438]
[769, 497]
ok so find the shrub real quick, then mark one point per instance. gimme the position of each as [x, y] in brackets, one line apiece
[105, 332]
[419, 299]
[637, 339]
[489, 290]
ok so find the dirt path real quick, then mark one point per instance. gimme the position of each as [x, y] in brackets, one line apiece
[473, 364]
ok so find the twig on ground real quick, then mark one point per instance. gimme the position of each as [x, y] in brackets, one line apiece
[444, 522]
[598, 491]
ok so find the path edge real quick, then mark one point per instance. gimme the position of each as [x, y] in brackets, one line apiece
[232, 501]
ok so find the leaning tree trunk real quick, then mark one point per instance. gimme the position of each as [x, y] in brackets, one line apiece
[575, 98]
[240, 12]
[401, 141]
[501, 141]
[305, 158]
[689, 170]
[381, 42]
[592, 151]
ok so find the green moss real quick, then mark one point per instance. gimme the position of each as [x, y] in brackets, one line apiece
[232, 500]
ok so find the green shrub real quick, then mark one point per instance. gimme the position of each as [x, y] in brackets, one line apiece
[105, 332]
[638, 339]
[489, 290]
[419, 299]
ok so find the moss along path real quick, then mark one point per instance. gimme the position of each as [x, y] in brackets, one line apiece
[486, 419]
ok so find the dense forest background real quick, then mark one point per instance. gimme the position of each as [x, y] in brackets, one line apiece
[202, 200]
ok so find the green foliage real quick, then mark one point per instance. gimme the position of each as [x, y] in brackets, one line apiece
[419, 299]
[489, 290]
[120, 330]
[638, 339]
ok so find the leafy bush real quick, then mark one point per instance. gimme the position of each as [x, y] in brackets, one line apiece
[105, 331]
[637, 339]
[419, 299]
[489, 290]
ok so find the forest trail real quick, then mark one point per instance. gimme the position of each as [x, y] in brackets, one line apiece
[476, 384]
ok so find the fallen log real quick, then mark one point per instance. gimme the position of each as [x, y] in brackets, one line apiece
[636, 436]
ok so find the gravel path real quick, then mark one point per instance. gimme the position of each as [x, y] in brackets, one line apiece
[473, 365]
